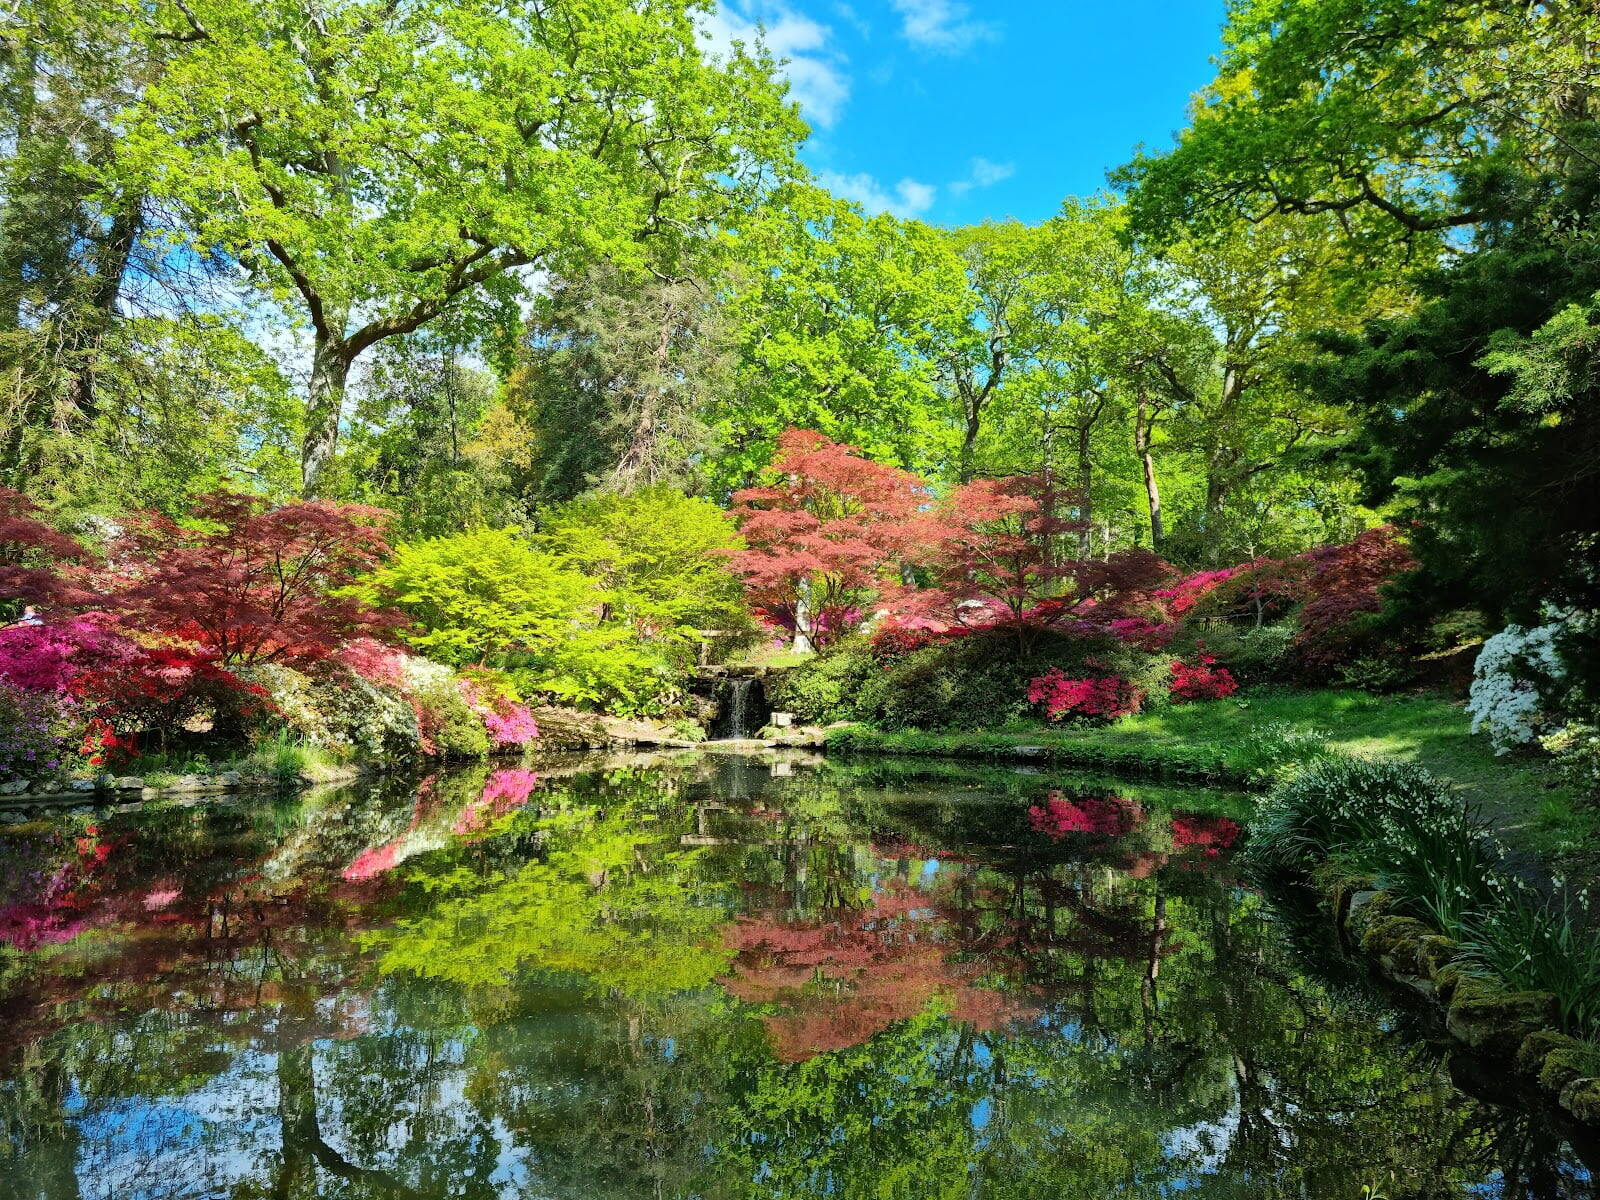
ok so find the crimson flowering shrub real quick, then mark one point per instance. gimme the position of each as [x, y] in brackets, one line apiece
[1142, 632]
[1105, 697]
[166, 688]
[31, 551]
[249, 583]
[1200, 681]
[1345, 594]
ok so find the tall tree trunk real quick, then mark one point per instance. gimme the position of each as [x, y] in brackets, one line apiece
[1143, 426]
[1085, 484]
[91, 327]
[330, 373]
[966, 463]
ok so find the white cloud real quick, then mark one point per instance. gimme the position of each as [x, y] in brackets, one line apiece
[804, 47]
[984, 173]
[910, 198]
[941, 25]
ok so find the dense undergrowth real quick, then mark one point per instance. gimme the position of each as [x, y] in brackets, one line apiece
[1431, 853]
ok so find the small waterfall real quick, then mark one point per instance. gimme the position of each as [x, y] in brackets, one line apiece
[742, 709]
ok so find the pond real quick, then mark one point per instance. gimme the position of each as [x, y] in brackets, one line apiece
[701, 975]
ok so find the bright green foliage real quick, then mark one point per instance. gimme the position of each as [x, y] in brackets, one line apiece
[589, 907]
[836, 320]
[371, 220]
[660, 559]
[609, 667]
[487, 598]
[1403, 119]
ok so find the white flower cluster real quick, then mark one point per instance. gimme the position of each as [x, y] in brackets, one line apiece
[1516, 671]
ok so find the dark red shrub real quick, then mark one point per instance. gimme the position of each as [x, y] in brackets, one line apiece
[1200, 681]
[245, 582]
[1345, 589]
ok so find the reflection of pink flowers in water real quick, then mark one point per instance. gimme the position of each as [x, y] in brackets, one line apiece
[502, 791]
[28, 926]
[1102, 816]
[371, 863]
[161, 897]
[1212, 834]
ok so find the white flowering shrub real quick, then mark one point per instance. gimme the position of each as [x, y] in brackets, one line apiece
[340, 711]
[1516, 682]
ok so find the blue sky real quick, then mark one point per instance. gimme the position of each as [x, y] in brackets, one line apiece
[954, 112]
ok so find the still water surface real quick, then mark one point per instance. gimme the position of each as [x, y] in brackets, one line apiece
[702, 976]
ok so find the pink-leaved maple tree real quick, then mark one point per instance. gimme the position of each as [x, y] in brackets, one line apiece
[826, 537]
[245, 582]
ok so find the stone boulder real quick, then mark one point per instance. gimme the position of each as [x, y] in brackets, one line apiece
[1495, 1021]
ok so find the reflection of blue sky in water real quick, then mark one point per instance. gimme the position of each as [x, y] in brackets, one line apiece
[1048, 1013]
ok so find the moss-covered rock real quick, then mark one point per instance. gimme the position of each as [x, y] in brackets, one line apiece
[1446, 979]
[1537, 1045]
[1434, 953]
[1555, 1059]
[1397, 943]
[1581, 1098]
[1366, 906]
[1488, 1018]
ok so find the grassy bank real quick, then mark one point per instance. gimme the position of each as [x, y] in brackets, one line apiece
[1247, 741]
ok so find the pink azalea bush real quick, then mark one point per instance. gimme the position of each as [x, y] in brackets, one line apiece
[1106, 697]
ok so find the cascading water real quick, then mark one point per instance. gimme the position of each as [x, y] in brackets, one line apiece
[743, 708]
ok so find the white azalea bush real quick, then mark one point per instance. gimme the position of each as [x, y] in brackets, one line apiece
[1518, 682]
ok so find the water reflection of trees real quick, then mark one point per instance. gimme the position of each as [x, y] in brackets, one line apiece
[664, 983]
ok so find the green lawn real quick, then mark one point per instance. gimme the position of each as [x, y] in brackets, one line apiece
[1229, 741]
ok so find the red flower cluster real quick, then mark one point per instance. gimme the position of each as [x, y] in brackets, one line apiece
[1108, 697]
[1200, 681]
[102, 746]
[1211, 834]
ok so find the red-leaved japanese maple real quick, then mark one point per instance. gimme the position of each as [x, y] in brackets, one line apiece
[245, 582]
[31, 552]
[995, 561]
[825, 537]
[1345, 586]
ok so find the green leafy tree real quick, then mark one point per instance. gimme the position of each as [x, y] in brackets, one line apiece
[1403, 120]
[378, 168]
[485, 598]
[414, 442]
[661, 560]
[614, 381]
[836, 315]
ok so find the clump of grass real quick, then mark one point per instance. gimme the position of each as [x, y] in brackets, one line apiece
[1535, 943]
[1425, 845]
[1267, 751]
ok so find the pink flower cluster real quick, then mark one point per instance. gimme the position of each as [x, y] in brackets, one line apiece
[374, 661]
[1100, 816]
[1142, 632]
[1200, 681]
[511, 726]
[1189, 591]
[1108, 697]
